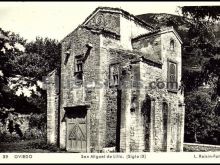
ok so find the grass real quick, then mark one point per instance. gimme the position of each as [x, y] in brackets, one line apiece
[28, 146]
[40, 146]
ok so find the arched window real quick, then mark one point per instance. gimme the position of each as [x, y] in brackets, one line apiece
[172, 72]
[172, 44]
[172, 76]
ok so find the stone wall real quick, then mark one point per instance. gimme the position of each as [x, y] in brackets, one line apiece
[21, 119]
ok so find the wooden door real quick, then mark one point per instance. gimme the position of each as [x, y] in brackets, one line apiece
[76, 132]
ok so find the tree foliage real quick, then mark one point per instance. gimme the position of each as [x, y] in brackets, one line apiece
[47, 52]
[202, 12]
[202, 38]
[28, 62]
[41, 57]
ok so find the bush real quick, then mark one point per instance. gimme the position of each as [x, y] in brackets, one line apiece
[37, 127]
[38, 121]
[34, 133]
[8, 138]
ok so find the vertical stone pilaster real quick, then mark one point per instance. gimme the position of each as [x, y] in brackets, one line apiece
[139, 116]
[88, 131]
[152, 122]
[52, 107]
[156, 129]
[101, 121]
[169, 127]
[63, 136]
[181, 121]
[125, 110]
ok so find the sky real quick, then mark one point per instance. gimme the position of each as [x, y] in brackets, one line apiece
[57, 19]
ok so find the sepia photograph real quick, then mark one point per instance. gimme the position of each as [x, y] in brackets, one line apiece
[93, 79]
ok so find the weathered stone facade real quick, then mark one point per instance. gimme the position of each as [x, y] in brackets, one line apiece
[114, 87]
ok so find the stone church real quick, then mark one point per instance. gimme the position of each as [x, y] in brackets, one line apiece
[118, 86]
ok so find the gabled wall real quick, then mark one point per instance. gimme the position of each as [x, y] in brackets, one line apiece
[72, 96]
[105, 20]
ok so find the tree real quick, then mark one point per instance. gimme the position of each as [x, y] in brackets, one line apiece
[201, 123]
[192, 79]
[12, 45]
[41, 57]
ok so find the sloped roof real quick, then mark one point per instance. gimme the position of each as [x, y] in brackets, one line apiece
[138, 55]
[159, 31]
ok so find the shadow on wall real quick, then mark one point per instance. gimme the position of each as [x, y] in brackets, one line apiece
[146, 111]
